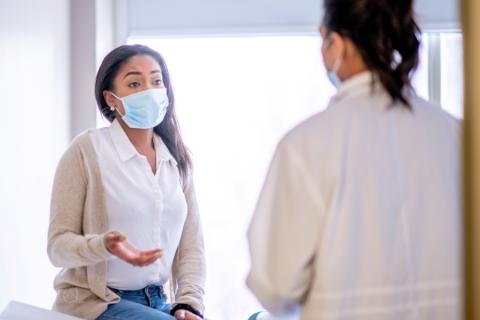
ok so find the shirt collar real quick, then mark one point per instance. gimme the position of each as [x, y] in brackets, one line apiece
[124, 147]
[163, 154]
[359, 83]
[126, 150]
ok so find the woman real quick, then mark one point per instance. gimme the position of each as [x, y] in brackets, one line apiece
[360, 214]
[124, 218]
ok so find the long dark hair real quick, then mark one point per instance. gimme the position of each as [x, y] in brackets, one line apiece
[385, 33]
[168, 129]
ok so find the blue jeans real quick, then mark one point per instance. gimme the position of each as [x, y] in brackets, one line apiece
[149, 303]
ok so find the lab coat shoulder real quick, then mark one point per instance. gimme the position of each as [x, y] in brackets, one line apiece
[441, 128]
[300, 157]
[434, 111]
[313, 131]
[315, 147]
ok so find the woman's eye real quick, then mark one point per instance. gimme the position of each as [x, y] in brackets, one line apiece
[157, 82]
[133, 84]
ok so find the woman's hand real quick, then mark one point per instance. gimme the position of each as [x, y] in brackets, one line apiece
[186, 315]
[119, 246]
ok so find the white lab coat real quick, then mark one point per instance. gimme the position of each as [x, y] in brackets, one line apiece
[360, 213]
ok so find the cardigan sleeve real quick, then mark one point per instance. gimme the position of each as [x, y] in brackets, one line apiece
[67, 246]
[189, 270]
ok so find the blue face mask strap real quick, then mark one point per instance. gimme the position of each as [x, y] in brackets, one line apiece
[333, 73]
[113, 94]
[336, 65]
[114, 107]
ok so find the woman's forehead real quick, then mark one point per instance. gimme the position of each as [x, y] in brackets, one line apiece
[140, 63]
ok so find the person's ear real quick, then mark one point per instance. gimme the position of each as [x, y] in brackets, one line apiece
[333, 49]
[109, 99]
[336, 46]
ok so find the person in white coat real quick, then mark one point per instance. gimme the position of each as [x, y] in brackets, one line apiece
[360, 213]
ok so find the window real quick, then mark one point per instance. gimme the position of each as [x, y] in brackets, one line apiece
[451, 56]
[235, 98]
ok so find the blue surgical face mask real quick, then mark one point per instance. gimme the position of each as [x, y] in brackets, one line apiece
[333, 74]
[145, 109]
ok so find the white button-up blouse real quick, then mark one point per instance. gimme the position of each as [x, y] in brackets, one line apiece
[150, 209]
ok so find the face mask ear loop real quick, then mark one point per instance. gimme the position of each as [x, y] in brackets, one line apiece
[114, 107]
[338, 62]
[336, 65]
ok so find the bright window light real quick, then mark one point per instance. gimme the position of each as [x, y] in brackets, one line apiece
[235, 98]
[451, 46]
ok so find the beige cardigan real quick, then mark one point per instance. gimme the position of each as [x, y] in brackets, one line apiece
[78, 222]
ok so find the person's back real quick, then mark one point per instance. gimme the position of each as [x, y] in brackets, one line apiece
[389, 232]
[360, 213]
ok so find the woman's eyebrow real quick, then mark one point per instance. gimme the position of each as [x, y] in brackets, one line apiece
[139, 73]
[132, 73]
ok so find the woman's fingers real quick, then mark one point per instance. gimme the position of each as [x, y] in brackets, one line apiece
[151, 252]
[154, 257]
[180, 315]
[185, 315]
[118, 245]
[146, 258]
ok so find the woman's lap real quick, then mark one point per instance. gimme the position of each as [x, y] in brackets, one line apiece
[125, 309]
[143, 304]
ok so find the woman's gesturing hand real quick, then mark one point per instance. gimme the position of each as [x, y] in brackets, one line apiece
[186, 315]
[118, 245]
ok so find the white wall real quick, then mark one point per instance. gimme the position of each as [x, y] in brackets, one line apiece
[83, 65]
[34, 131]
[92, 37]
